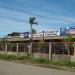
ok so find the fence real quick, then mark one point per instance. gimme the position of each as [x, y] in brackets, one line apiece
[39, 49]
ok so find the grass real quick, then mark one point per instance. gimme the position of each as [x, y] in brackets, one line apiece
[38, 61]
[64, 63]
[8, 57]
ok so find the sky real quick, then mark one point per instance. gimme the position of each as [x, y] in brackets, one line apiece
[50, 14]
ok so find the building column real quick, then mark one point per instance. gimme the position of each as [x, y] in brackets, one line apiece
[50, 52]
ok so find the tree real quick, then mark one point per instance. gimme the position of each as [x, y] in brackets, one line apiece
[3, 41]
[34, 31]
[69, 42]
[41, 44]
[32, 22]
[69, 38]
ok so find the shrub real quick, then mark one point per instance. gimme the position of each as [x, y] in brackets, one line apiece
[11, 57]
[2, 56]
[22, 57]
[5, 56]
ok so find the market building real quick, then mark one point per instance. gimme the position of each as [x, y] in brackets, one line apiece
[53, 44]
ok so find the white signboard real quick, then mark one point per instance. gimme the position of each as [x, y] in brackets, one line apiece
[47, 33]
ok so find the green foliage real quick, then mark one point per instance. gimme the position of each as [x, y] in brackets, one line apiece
[28, 55]
[32, 20]
[11, 46]
[2, 56]
[69, 38]
[41, 44]
[37, 60]
[3, 40]
[40, 60]
[11, 57]
[7, 57]
[64, 63]
[69, 41]
[34, 31]
[14, 57]
[22, 57]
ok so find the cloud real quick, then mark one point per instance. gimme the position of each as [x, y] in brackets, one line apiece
[14, 14]
[30, 6]
[68, 19]
[12, 21]
[20, 16]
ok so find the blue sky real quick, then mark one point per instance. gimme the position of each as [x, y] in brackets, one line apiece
[50, 14]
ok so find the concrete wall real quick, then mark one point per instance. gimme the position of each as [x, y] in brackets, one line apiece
[61, 57]
[73, 58]
[15, 53]
[40, 55]
[55, 57]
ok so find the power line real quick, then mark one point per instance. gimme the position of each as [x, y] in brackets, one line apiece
[30, 13]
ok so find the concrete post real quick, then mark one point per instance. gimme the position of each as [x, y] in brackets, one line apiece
[6, 47]
[68, 50]
[17, 48]
[31, 50]
[74, 48]
[24, 47]
[50, 52]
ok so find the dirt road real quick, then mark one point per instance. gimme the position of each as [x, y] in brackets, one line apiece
[10, 68]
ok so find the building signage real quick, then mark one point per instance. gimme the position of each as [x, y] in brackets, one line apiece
[47, 33]
[71, 31]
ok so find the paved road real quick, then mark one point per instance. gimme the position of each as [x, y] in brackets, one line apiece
[10, 68]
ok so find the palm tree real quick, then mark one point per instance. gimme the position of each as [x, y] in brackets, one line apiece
[34, 31]
[31, 22]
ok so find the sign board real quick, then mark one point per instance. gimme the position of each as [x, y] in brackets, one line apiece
[47, 33]
[24, 35]
[71, 31]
